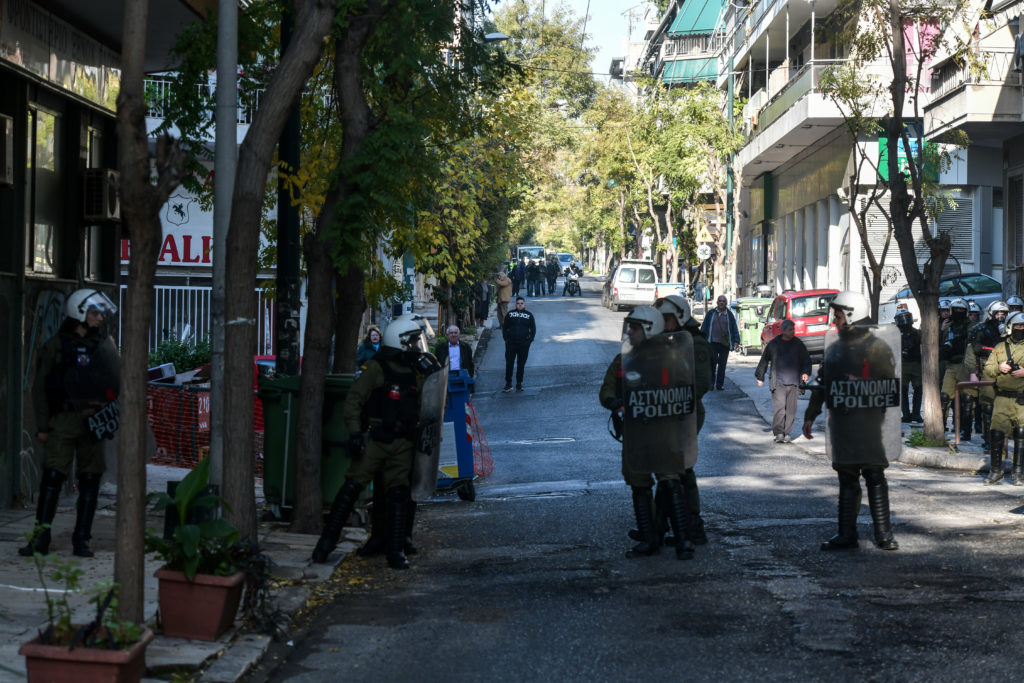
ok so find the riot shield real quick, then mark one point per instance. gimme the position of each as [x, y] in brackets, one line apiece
[660, 418]
[428, 442]
[93, 383]
[860, 374]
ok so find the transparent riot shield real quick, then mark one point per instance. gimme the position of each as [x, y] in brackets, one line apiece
[860, 375]
[428, 442]
[660, 418]
[93, 384]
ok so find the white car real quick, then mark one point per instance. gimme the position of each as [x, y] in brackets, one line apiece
[976, 287]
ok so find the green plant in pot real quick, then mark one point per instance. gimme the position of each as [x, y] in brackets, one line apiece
[106, 648]
[200, 583]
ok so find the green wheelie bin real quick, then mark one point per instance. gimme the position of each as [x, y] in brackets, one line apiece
[280, 398]
[749, 314]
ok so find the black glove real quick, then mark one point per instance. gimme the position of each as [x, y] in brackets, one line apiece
[356, 444]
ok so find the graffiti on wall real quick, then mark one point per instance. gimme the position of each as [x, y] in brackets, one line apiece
[48, 318]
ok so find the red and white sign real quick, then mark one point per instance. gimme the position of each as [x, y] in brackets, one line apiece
[188, 233]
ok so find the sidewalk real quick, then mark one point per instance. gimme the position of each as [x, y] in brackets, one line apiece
[23, 608]
[967, 457]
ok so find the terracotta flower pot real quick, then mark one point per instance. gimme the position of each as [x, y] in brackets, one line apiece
[85, 665]
[202, 609]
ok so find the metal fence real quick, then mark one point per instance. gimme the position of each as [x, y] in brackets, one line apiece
[184, 313]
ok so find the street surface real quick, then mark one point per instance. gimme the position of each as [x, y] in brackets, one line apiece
[530, 581]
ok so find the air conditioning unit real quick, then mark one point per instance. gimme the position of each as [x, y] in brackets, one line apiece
[100, 195]
[6, 151]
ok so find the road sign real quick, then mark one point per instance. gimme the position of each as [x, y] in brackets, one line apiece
[704, 252]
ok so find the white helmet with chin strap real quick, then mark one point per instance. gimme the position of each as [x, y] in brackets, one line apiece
[649, 318]
[81, 301]
[402, 334]
[675, 305]
[854, 305]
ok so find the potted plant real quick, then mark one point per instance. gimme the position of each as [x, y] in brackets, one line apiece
[106, 648]
[200, 583]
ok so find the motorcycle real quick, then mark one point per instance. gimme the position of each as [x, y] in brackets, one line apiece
[572, 283]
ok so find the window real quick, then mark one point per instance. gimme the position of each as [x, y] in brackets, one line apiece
[808, 306]
[627, 275]
[970, 285]
[647, 276]
[43, 194]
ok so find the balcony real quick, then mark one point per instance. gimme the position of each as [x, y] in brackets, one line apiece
[158, 91]
[986, 103]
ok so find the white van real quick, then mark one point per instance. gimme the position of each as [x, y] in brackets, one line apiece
[633, 284]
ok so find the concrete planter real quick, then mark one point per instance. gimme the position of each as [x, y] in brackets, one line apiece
[201, 609]
[85, 665]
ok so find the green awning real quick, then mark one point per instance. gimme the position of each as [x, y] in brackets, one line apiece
[697, 16]
[690, 70]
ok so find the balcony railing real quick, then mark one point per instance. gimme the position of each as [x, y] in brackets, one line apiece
[996, 68]
[158, 92]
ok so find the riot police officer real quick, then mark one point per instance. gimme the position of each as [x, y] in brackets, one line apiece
[386, 398]
[858, 381]
[910, 345]
[643, 327]
[1005, 365]
[1015, 303]
[981, 339]
[77, 375]
[973, 311]
[952, 350]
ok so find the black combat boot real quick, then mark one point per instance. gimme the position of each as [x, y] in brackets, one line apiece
[88, 495]
[679, 514]
[849, 506]
[1017, 474]
[341, 508]
[916, 414]
[643, 508]
[662, 503]
[878, 503]
[410, 520]
[996, 440]
[966, 417]
[945, 410]
[397, 507]
[46, 510]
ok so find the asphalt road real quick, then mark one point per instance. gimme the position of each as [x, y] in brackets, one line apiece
[530, 582]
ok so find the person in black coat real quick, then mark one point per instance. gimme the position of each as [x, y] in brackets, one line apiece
[458, 353]
[519, 330]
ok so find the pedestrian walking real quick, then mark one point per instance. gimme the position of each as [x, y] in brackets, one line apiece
[78, 375]
[720, 328]
[518, 276]
[790, 367]
[1005, 366]
[370, 346]
[519, 330]
[504, 296]
[386, 398]
[858, 382]
[459, 354]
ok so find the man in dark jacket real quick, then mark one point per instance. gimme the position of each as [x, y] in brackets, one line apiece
[553, 272]
[458, 353]
[518, 275]
[720, 328]
[790, 366]
[519, 330]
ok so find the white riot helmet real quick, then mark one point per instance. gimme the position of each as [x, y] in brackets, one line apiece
[943, 304]
[675, 305]
[423, 324]
[1015, 302]
[854, 305]
[402, 334]
[649, 318]
[1015, 318]
[959, 303]
[997, 307]
[82, 300]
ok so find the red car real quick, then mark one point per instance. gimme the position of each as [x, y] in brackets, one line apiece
[808, 309]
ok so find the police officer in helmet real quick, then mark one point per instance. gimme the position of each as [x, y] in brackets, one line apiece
[77, 374]
[981, 339]
[858, 381]
[910, 345]
[953, 350]
[643, 324]
[386, 398]
[1005, 365]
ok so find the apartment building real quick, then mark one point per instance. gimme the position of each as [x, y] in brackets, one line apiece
[986, 101]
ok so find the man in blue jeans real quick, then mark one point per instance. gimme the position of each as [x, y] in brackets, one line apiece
[720, 328]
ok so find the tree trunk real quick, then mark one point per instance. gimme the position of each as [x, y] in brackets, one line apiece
[312, 23]
[140, 202]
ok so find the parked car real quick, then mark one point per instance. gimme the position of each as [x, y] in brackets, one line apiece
[977, 287]
[808, 309]
[632, 284]
[565, 260]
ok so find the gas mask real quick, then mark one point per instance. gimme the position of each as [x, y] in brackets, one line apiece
[1017, 335]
